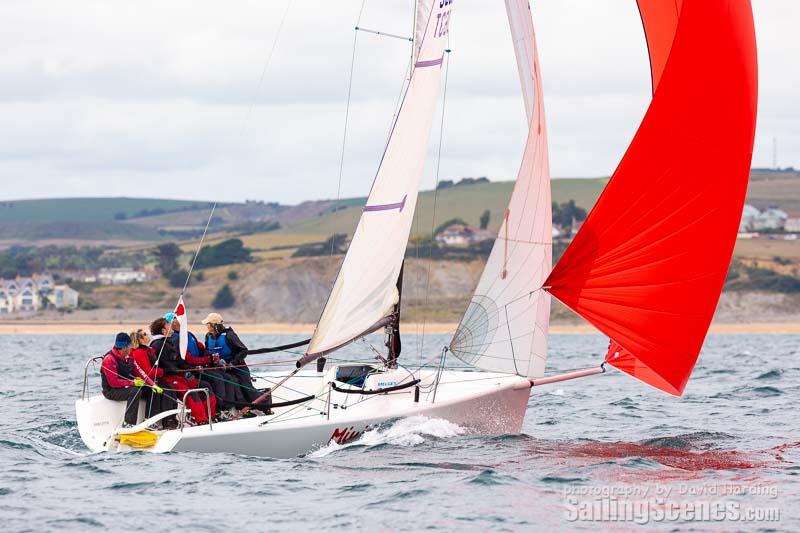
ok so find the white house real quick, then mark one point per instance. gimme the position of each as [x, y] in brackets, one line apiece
[460, 235]
[25, 293]
[27, 299]
[63, 297]
[6, 302]
[792, 225]
[120, 276]
[771, 219]
[749, 215]
[755, 220]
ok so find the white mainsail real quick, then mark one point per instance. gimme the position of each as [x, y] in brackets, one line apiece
[505, 326]
[365, 290]
[423, 11]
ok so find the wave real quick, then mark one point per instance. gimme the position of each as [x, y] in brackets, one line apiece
[687, 441]
[405, 432]
[775, 373]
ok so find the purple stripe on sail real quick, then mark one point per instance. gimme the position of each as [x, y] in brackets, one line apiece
[429, 62]
[388, 207]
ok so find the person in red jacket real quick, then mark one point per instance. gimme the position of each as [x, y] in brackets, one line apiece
[142, 358]
[119, 383]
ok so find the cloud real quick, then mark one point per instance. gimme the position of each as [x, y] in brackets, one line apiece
[151, 98]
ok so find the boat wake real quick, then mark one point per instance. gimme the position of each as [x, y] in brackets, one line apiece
[691, 452]
[405, 432]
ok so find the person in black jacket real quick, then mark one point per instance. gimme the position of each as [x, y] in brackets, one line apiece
[178, 374]
[222, 340]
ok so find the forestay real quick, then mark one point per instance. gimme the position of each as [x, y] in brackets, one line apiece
[505, 326]
[365, 289]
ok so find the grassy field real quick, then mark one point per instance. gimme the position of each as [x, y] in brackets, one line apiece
[102, 232]
[83, 209]
[466, 202]
[92, 219]
[775, 189]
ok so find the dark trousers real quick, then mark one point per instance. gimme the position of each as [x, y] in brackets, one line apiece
[222, 385]
[130, 395]
[156, 403]
[242, 376]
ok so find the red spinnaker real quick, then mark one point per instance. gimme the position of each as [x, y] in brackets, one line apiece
[648, 265]
[660, 21]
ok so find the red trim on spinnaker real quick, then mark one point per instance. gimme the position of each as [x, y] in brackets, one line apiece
[660, 21]
[648, 264]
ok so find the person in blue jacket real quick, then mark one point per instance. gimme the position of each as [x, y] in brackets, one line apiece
[222, 340]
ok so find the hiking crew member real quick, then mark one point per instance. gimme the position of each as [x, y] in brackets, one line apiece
[142, 358]
[223, 387]
[178, 373]
[222, 340]
[119, 383]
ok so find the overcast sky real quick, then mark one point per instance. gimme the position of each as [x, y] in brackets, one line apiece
[155, 98]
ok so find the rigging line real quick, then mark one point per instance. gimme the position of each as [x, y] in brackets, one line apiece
[435, 194]
[384, 34]
[346, 123]
[266, 65]
[197, 252]
[416, 211]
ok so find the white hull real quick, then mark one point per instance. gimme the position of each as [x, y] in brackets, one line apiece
[480, 402]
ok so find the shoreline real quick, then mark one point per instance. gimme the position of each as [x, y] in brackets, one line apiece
[274, 328]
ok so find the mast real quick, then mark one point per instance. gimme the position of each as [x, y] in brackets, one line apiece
[648, 265]
[393, 343]
[363, 296]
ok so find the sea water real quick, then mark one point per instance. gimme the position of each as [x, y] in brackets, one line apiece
[605, 451]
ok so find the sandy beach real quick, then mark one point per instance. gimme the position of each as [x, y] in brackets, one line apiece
[33, 327]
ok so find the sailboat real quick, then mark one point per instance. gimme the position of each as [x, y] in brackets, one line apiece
[646, 268]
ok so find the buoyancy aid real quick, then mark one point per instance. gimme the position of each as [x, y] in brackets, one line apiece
[114, 371]
[220, 346]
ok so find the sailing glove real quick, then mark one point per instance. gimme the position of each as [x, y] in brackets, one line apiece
[138, 382]
[157, 389]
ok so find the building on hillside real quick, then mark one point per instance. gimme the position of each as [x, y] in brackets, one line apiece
[792, 224]
[63, 297]
[25, 294]
[120, 276]
[28, 299]
[84, 276]
[749, 214]
[770, 219]
[460, 235]
[6, 302]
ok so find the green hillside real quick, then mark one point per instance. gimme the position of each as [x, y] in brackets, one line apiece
[77, 231]
[84, 209]
[465, 202]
